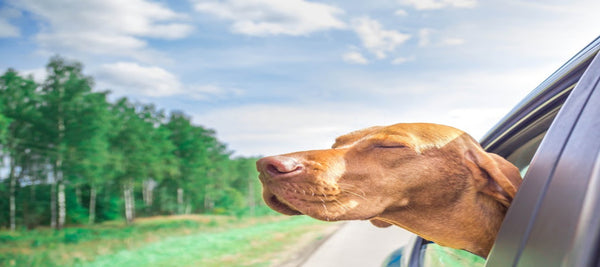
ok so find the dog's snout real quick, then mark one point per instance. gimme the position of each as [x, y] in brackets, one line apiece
[279, 166]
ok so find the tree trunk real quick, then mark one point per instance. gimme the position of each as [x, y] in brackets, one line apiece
[188, 207]
[62, 207]
[126, 203]
[180, 207]
[30, 220]
[132, 201]
[147, 194]
[13, 205]
[129, 202]
[208, 203]
[53, 205]
[92, 217]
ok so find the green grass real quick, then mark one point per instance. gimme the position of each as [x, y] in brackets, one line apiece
[164, 241]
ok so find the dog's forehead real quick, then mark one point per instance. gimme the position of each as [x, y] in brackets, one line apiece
[355, 136]
[421, 135]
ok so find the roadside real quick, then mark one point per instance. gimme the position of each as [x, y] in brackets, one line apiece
[307, 245]
[357, 244]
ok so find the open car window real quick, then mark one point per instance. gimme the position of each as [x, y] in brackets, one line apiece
[522, 156]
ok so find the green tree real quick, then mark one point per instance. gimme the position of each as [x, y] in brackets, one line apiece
[4, 123]
[145, 149]
[245, 181]
[64, 95]
[191, 151]
[18, 100]
[87, 155]
[216, 173]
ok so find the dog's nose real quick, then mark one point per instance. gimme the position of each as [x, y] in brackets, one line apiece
[279, 166]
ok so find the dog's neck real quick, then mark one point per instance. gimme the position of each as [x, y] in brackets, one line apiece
[470, 224]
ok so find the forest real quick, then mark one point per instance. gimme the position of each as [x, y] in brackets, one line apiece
[70, 156]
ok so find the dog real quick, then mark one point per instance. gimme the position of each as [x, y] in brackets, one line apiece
[433, 180]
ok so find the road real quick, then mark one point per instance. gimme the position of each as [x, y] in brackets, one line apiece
[358, 243]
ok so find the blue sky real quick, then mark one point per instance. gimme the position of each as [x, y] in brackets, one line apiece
[275, 76]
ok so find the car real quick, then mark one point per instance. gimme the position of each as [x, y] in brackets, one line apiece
[553, 137]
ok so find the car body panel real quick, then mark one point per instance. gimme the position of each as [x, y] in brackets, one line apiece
[551, 160]
[558, 214]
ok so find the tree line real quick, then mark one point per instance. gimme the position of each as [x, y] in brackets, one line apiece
[69, 156]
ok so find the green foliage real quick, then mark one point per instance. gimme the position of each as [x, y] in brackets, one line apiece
[64, 131]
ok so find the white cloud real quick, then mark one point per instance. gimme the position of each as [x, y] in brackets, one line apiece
[453, 41]
[401, 60]
[401, 13]
[438, 4]
[376, 39]
[104, 26]
[273, 17]
[269, 129]
[39, 74]
[425, 37]
[134, 79]
[428, 37]
[128, 78]
[355, 58]
[211, 91]
[7, 29]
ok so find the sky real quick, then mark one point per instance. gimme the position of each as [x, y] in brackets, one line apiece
[277, 76]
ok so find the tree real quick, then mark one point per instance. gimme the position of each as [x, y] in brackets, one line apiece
[18, 102]
[88, 154]
[246, 181]
[63, 95]
[144, 147]
[188, 151]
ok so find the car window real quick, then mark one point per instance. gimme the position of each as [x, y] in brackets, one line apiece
[522, 156]
[435, 255]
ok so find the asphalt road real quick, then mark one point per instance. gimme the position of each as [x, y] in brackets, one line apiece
[358, 243]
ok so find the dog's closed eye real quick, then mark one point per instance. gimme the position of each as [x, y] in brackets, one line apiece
[390, 146]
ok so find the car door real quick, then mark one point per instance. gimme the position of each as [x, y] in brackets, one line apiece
[550, 222]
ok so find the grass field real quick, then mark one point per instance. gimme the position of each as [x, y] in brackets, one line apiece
[193, 240]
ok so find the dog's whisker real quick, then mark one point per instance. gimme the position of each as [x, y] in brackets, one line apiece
[408, 207]
[341, 205]
[353, 187]
[353, 193]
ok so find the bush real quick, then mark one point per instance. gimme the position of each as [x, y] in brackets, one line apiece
[74, 236]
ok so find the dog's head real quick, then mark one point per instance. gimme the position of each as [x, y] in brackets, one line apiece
[417, 168]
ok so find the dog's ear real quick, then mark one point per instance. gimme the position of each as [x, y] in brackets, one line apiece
[380, 223]
[494, 175]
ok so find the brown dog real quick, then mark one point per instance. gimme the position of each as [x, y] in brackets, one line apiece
[433, 180]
